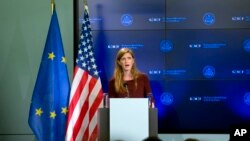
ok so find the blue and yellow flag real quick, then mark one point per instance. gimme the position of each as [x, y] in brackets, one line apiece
[48, 109]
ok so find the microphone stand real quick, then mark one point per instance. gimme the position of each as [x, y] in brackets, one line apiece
[126, 86]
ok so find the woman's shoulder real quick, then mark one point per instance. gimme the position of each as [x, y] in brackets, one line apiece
[142, 75]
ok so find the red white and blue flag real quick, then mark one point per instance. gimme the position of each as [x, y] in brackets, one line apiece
[86, 91]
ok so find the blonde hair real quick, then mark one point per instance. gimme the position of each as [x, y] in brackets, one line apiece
[118, 72]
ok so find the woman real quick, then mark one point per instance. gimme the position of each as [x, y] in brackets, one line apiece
[127, 81]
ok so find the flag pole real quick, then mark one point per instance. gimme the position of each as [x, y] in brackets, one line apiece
[52, 5]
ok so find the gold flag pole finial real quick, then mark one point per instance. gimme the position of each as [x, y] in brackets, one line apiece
[85, 4]
[52, 5]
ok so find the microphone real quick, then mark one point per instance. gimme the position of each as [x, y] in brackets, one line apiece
[126, 87]
[150, 100]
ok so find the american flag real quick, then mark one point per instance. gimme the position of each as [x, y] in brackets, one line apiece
[86, 92]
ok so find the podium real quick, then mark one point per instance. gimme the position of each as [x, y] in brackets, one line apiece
[127, 119]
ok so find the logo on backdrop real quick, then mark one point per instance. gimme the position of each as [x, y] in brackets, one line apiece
[208, 18]
[167, 98]
[126, 19]
[208, 71]
[166, 46]
[246, 45]
[247, 98]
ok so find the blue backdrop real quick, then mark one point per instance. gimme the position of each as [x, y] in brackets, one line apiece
[196, 54]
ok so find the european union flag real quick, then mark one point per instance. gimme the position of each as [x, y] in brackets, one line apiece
[48, 109]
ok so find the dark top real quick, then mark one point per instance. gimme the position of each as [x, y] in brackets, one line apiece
[142, 90]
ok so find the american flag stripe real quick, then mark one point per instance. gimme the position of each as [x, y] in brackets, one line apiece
[76, 105]
[93, 136]
[91, 114]
[76, 89]
[82, 105]
[94, 101]
[84, 115]
[81, 122]
[86, 92]
[95, 105]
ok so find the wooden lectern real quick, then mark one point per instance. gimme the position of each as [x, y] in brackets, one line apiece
[127, 119]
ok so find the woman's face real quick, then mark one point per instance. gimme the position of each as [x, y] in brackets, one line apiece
[127, 62]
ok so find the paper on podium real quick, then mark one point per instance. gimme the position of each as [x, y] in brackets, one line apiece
[129, 119]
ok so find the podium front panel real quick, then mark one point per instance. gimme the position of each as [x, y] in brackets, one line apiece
[128, 119]
[103, 123]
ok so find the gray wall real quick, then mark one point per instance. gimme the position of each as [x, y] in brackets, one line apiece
[23, 29]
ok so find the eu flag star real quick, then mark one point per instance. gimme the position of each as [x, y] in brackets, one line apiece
[51, 55]
[53, 114]
[39, 112]
[64, 60]
[64, 110]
